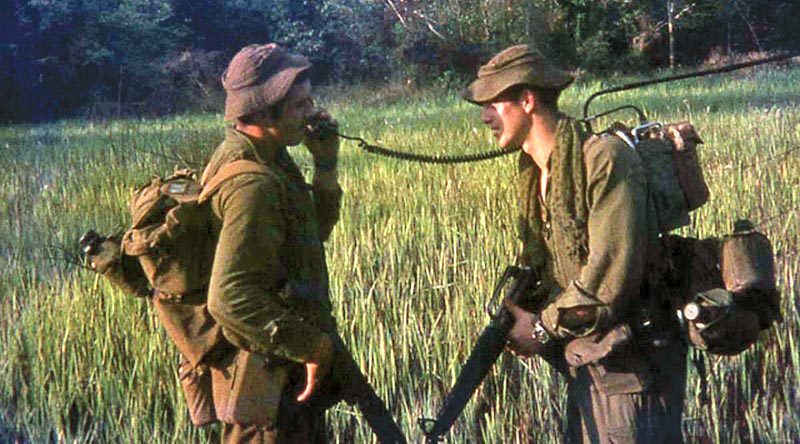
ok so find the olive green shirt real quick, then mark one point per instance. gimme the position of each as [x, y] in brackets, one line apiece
[620, 226]
[269, 281]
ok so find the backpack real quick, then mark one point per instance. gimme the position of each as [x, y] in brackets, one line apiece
[724, 289]
[167, 253]
[669, 156]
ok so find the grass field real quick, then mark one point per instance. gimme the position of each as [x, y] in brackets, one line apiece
[412, 263]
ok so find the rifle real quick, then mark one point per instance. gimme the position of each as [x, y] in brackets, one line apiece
[491, 342]
[350, 385]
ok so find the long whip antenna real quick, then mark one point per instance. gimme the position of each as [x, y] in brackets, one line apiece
[703, 73]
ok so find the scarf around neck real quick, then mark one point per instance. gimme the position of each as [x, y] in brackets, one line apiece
[566, 198]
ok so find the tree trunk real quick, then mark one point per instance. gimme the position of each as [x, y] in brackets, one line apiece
[670, 30]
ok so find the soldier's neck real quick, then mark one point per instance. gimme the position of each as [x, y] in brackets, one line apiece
[263, 135]
[541, 140]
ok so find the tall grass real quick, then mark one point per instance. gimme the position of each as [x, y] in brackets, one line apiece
[412, 263]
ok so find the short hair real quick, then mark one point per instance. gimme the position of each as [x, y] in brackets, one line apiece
[545, 97]
[274, 111]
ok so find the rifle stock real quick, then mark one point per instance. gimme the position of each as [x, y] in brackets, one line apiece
[487, 349]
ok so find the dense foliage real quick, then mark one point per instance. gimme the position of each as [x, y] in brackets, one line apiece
[105, 58]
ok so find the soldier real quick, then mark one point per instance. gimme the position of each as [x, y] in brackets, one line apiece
[588, 227]
[269, 283]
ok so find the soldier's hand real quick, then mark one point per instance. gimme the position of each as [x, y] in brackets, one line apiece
[592, 348]
[317, 367]
[522, 337]
[321, 139]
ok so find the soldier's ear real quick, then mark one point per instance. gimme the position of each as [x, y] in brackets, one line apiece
[528, 100]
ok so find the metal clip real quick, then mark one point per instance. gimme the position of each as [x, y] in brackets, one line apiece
[639, 130]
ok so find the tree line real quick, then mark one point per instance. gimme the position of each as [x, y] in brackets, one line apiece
[114, 57]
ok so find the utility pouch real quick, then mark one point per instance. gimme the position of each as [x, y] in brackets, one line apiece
[104, 255]
[189, 324]
[717, 324]
[196, 384]
[591, 349]
[684, 139]
[748, 271]
[693, 267]
[626, 371]
[671, 206]
[247, 389]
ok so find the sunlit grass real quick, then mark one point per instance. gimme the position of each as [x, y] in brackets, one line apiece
[412, 263]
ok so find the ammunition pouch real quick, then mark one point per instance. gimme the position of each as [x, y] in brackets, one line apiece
[189, 325]
[612, 359]
[197, 389]
[241, 388]
[247, 389]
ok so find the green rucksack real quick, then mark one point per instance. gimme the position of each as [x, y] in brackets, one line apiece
[725, 292]
[674, 176]
[167, 254]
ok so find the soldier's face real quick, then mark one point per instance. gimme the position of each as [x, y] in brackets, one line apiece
[508, 120]
[297, 105]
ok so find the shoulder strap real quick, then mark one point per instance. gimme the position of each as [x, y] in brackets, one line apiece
[231, 170]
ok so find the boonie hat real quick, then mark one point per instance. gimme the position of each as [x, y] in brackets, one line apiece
[517, 65]
[259, 76]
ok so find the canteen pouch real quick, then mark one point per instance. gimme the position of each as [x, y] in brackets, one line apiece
[196, 384]
[748, 271]
[247, 389]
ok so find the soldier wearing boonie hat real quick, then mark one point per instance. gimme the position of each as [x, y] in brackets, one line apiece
[258, 77]
[517, 65]
[269, 284]
[570, 186]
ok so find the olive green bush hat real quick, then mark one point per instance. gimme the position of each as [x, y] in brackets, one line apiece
[517, 65]
[259, 76]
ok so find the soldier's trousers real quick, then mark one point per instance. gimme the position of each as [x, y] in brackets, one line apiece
[650, 417]
[297, 424]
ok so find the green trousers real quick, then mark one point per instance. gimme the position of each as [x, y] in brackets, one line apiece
[650, 417]
[297, 423]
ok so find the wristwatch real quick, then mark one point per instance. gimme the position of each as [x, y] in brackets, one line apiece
[539, 334]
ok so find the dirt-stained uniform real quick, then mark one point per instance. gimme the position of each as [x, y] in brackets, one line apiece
[593, 238]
